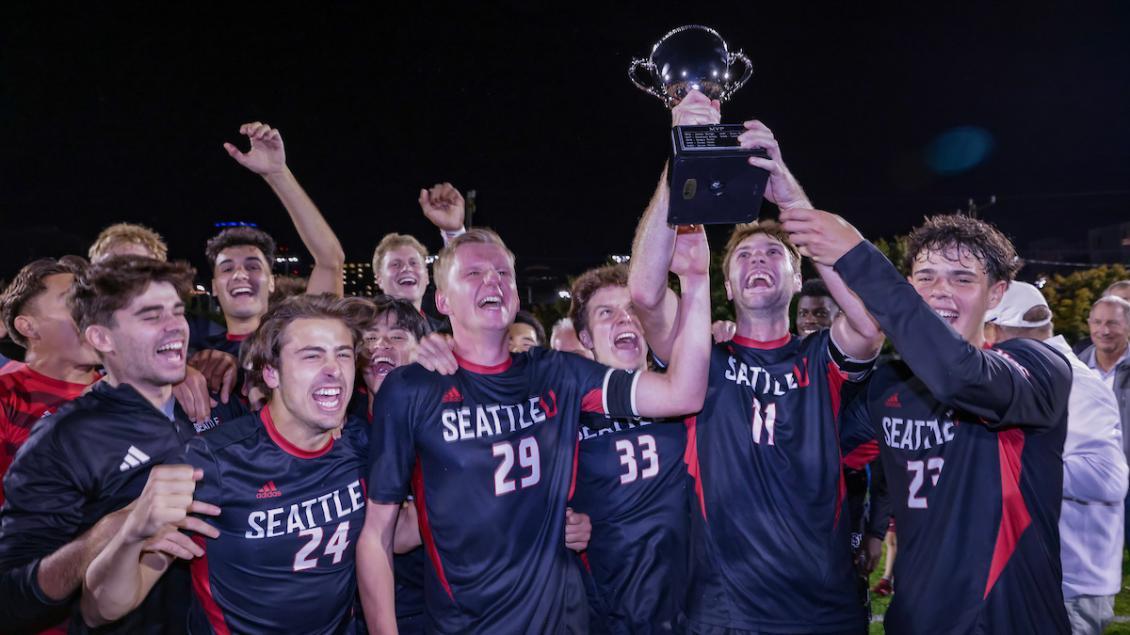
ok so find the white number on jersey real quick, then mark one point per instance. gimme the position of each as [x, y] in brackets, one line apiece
[764, 418]
[648, 455]
[918, 471]
[336, 547]
[528, 458]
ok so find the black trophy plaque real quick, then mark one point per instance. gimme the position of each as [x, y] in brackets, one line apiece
[711, 179]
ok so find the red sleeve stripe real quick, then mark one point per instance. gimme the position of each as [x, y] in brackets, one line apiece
[690, 457]
[202, 586]
[426, 528]
[858, 458]
[593, 401]
[1014, 512]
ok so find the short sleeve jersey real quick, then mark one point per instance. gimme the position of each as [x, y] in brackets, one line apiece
[25, 397]
[490, 453]
[633, 483]
[770, 533]
[284, 561]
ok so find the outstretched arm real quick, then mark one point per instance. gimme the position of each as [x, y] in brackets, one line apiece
[267, 158]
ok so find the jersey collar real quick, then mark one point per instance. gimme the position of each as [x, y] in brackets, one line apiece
[287, 446]
[751, 343]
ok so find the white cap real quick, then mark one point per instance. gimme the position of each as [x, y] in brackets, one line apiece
[1020, 298]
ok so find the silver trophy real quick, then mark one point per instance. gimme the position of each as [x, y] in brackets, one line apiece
[690, 57]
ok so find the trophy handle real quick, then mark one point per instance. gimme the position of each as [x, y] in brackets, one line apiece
[647, 86]
[738, 56]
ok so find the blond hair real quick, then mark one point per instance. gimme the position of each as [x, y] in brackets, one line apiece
[119, 233]
[477, 235]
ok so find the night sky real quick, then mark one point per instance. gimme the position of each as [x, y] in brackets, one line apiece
[111, 115]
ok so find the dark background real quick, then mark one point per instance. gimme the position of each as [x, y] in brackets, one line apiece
[118, 114]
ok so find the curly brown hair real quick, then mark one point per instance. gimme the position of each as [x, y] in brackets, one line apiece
[949, 232]
[112, 284]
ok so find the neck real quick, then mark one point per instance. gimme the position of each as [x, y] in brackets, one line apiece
[301, 435]
[158, 396]
[763, 326]
[1106, 360]
[56, 367]
[484, 349]
[241, 326]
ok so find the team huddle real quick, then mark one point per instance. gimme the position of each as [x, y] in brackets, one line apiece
[329, 464]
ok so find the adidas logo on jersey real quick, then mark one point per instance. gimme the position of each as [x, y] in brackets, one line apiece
[893, 401]
[452, 395]
[132, 459]
[268, 491]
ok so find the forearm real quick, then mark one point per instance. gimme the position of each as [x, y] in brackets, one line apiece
[1095, 477]
[407, 533]
[375, 580]
[647, 277]
[60, 574]
[859, 335]
[880, 508]
[682, 389]
[23, 608]
[315, 232]
[118, 580]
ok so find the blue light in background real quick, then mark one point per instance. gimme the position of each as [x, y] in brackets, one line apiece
[959, 149]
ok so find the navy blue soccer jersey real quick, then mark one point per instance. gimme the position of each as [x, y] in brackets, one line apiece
[633, 484]
[490, 453]
[284, 561]
[770, 534]
[971, 444]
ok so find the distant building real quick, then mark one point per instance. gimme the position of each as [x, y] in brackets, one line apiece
[358, 279]
[1110, 244]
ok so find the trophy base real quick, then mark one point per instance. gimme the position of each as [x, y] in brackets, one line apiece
[711, 179]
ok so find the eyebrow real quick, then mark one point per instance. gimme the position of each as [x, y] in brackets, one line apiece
[156, 307]
[970, 272]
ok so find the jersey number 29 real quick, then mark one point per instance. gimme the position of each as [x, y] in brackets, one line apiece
[528, 459]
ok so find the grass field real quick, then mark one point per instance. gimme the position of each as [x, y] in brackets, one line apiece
[1121, 601]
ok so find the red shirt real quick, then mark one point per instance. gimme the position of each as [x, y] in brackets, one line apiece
[25, 397]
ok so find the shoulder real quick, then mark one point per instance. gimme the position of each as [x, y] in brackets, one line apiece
[231, 432]
[1034, 357]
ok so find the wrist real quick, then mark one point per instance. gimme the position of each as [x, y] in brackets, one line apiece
[275, 176]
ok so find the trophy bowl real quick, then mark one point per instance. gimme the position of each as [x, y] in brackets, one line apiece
[690, 57]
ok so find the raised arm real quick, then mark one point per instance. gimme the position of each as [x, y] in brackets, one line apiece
[655, 304]
[443, 205]
[374, 567]
[682, 389]
[267, 158]
[119, 578]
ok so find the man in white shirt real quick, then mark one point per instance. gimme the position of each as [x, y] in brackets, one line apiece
[1094, 467]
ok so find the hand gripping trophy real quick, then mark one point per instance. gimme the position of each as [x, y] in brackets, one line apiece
[711, 180]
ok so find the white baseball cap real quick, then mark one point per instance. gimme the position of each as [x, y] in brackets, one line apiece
[1020, 298]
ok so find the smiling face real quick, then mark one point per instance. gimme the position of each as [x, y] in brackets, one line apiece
[314, 379]
[479, 294]
[814, 313]
[242, 282]
[403, 274]
[762, 276]
[1109, 330]
[956, 286]
[613, 332]
[387, 345]
[523, 337]
[145, 344]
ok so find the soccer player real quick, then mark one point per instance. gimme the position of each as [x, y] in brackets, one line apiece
[815, 307]
[61, 365]
[770, 536]
[93, 456]
[1094, 467]
[490, 450]
[631, 478]
[127, 239]
[289, 490]
[526, 332]
[242, 257]
[971, 438]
